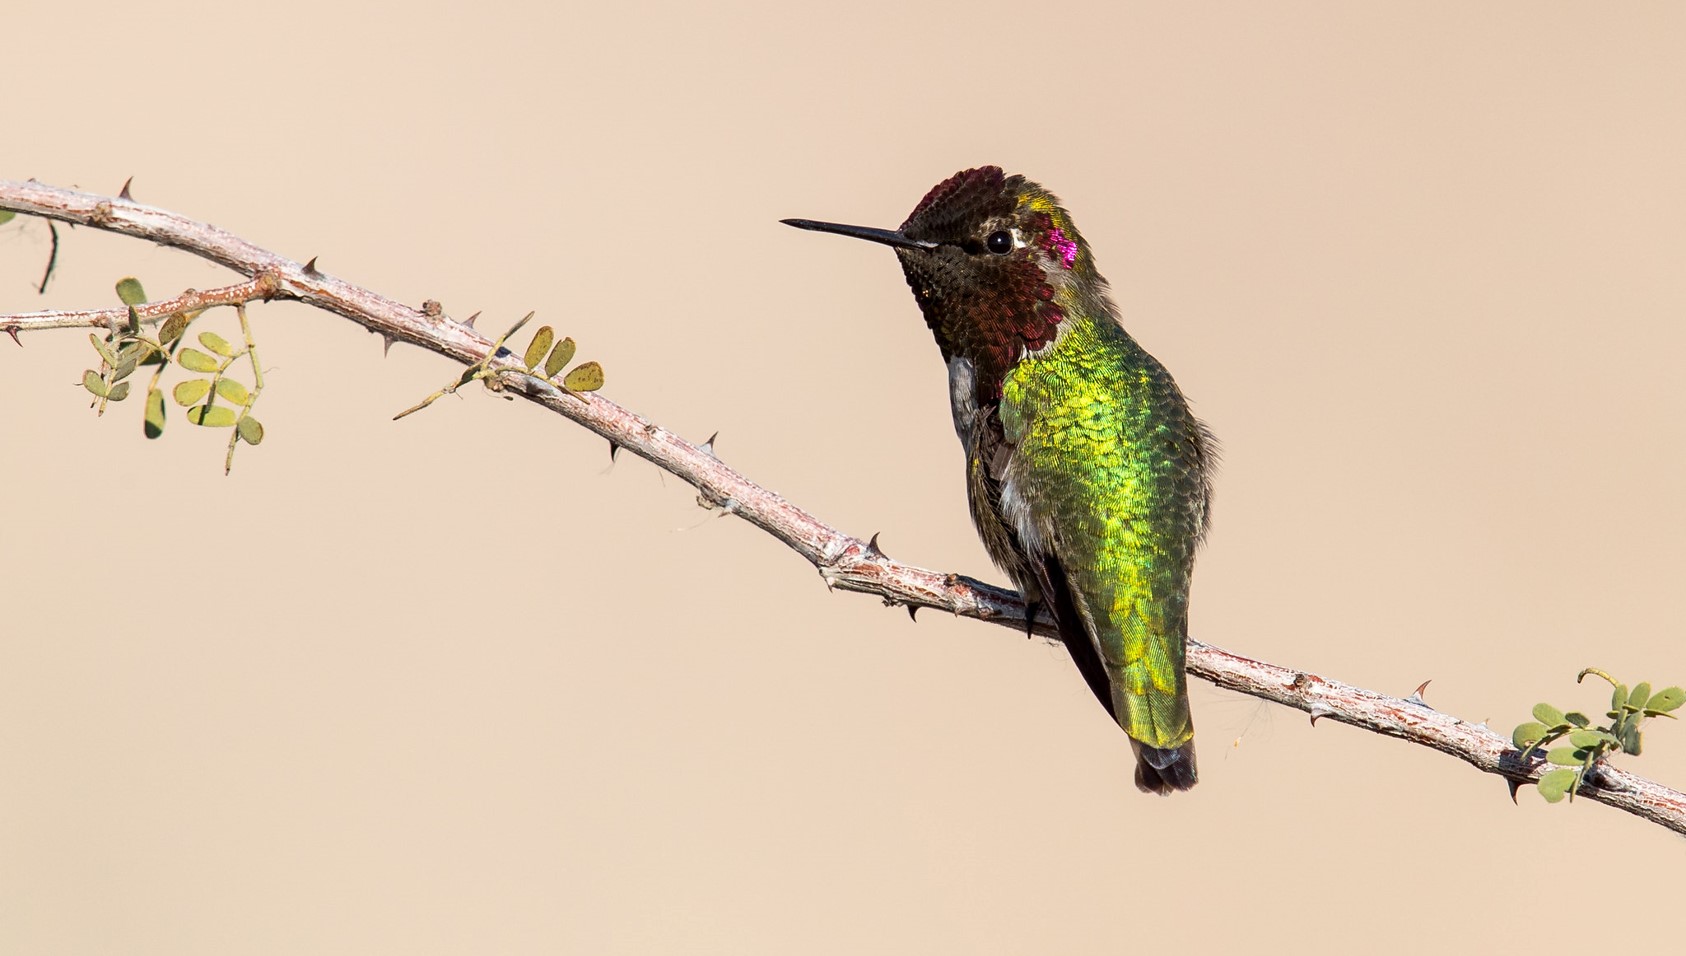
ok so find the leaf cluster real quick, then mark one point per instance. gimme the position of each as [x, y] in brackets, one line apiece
[555, 356]
[1582, 743]
[127, 348]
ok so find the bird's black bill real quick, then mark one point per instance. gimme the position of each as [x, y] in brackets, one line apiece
[888, 237]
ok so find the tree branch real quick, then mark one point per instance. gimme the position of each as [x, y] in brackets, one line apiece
[844, 561]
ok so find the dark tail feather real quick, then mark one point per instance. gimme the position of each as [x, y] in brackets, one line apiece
[1162, 771]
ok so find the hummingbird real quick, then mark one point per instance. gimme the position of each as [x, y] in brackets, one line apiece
[1088, 477]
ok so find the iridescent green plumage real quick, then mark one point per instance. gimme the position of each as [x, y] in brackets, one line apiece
[1088, 476]
[1110, 464]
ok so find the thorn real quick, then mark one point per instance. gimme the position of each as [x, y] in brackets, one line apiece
[124, 192]
[1318, 710]
[386, 344]
[1514, 786]
[1417, 695]
[468, 323]
[872, 549]
[614, 449]
[310, 267]
[707, 447]
[12, 330]
[913, 613]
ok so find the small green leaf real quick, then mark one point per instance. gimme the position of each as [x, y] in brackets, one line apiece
[154, 425]
[1566, 756]
[540, 345]
[196, 361]
[173, 328]
[130, 291]
[134, 321]
[1667, 699]
[1528, 734]
[1618, 697]
[92, 381]
[211, 416]
[1554, 784]
[124, 369]
[217, 344]
[102, 347]
[1630, 738]
[498, 345]
[560, 356]
[191, 391]
[6, 216]
[139, 350]
[1641, 694]
[584, 378]
[1577, 718]
[118, 392]
[1592, 738]
[1548, 715]
[250, 430]
[233, 391]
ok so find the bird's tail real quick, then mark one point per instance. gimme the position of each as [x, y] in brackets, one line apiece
[1163, 771]
[1161, 730]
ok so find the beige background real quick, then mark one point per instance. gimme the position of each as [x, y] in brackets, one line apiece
[454, 685]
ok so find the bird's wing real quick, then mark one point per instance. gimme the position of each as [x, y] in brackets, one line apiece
[1033, 566]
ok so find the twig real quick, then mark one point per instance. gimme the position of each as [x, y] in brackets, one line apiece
[844, 561]
[52, 260]
[263, 286]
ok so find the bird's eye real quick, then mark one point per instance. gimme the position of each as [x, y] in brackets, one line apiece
[1000, 242]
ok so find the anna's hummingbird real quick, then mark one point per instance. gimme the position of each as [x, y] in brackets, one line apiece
[1089, 478]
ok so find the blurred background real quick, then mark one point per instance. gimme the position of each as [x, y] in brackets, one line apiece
[456, 684]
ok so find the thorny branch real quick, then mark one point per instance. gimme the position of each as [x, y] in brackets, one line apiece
[844, 561]
[262, 286]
